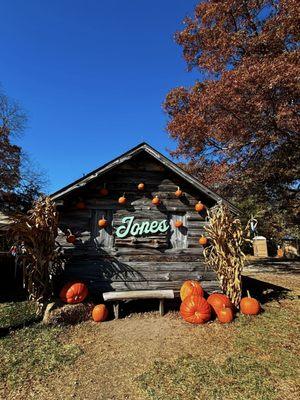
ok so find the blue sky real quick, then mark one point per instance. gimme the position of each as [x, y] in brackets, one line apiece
[92, 76]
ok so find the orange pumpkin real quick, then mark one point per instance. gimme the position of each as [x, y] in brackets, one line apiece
[178, 192]
[141, 186]
[178, 224]
[219, 300]
[191, 288]
[225, 315]
[102, 223]
[156, 200]
[122, 199]
[80, 205]
[99, 313]
[199, 206]
[203, 240]
[71, 238]
[103, 191]
[73, 292]
[249, 305]
[195, 309]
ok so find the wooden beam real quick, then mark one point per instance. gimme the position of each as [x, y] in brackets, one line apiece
[138, 294]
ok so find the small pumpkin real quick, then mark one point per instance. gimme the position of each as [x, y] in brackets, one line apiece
[141, 186]
[99, 313]
[249, 305]
[156, 200]
[191, 288]
[102, 223]
[203, 240]
[178, 224]
[225, 315]
[122, 199]
[219, 300]
[71, 238]
[80, 205]
[178, 192]
[195, 309]
[73, 292]
[199, 206]
[103, 191]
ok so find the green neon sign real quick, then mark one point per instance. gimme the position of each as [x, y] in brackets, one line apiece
[137, 229]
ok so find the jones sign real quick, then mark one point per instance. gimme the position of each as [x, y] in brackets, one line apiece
[139, 228]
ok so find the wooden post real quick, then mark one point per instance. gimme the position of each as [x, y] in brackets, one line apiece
[161, 307]
[116, 307]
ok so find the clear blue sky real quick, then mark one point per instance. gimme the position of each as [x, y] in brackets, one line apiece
[92, 76]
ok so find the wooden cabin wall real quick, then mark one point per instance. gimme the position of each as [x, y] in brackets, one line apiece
[156, 261]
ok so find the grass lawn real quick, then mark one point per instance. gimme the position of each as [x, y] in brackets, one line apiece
[145, 356]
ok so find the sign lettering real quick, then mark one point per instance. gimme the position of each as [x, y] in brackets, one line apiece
[139, 228]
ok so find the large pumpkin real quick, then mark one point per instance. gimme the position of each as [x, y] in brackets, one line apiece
[249, 305]
[73, 292]
[190, 288]
[99, 313]
[199, 206]
[195, 309]
[218, 301]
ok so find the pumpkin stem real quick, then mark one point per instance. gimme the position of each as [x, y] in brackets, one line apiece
[70, 233]
[248, 293]
[124, 194]
[104, 185]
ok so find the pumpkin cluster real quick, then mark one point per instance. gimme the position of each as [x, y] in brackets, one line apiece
[195, 309]
[76, 292]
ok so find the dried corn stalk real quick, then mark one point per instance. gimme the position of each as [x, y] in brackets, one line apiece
[224, 254]
[35, 234]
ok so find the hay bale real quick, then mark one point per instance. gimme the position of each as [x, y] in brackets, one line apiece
[67, 314]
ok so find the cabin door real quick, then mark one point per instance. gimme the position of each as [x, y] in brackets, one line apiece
[103, 237]
[178, 236]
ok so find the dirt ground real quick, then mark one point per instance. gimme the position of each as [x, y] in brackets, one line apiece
[116, 352]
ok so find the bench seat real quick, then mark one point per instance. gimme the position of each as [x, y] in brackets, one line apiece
[116, 297]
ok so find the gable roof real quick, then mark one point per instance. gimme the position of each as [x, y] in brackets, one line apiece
[79, 183]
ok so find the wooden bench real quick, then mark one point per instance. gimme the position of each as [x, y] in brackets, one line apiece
[116, 297]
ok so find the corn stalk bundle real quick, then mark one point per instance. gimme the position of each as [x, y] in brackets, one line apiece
[224, 253]
[35, 234]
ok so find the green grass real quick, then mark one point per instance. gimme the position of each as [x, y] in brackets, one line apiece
[263, 365]
[17, 313]
[34, 352]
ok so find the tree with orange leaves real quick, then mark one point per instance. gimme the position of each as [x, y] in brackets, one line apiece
[238, 126]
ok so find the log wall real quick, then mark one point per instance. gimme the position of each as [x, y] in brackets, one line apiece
[151, 261]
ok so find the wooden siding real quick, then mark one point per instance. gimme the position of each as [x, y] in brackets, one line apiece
[153, 261]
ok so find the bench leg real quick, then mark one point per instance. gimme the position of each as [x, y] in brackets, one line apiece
[161, 307]
[116, 307]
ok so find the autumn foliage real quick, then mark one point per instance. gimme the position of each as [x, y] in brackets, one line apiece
[238, 126]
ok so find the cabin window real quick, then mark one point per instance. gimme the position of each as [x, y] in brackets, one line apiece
[178, 236]
[103, 238]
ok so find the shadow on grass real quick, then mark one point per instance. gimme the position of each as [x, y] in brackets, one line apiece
[264, 291]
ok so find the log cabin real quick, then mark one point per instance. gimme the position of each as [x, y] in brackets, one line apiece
[142, 244]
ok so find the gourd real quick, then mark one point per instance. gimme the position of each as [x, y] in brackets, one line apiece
[249, 305]
[102, 223]
[203, 240]
[156, 200]
[122, 199]
[103, 191]
[141, 186]
[178, 192]
[199, 206]
[191, 288]
[80, 205]
[225, 315]
[73, 292]
[99, 313]
[178, 224]
[195, 309]
[71, 239]
[217, 301]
